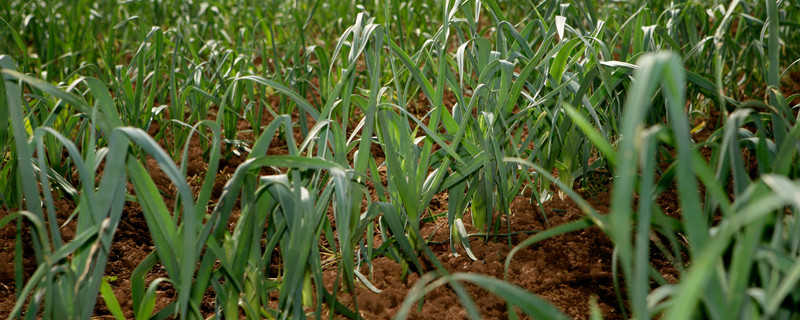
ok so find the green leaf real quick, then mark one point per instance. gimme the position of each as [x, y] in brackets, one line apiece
[111, 301]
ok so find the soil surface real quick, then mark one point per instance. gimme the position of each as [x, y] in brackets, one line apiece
[566, 270]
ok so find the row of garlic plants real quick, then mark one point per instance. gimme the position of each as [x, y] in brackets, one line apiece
[536, 88]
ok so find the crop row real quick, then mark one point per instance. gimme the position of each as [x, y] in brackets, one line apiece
[478, 100]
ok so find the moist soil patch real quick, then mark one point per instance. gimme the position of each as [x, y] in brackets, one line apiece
[567, 270]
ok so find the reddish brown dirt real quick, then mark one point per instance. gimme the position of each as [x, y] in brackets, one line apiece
[64, 209]
[567, 270]
[131, 245]
[791, 86]
[7, 274]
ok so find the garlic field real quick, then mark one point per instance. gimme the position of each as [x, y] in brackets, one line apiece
[478, 159]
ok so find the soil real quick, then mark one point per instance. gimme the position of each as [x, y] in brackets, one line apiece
[567, 270]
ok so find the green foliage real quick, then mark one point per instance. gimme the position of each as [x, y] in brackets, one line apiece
[479, 100]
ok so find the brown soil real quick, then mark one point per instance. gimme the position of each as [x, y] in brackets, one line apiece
[791, 86]
[566, 270]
